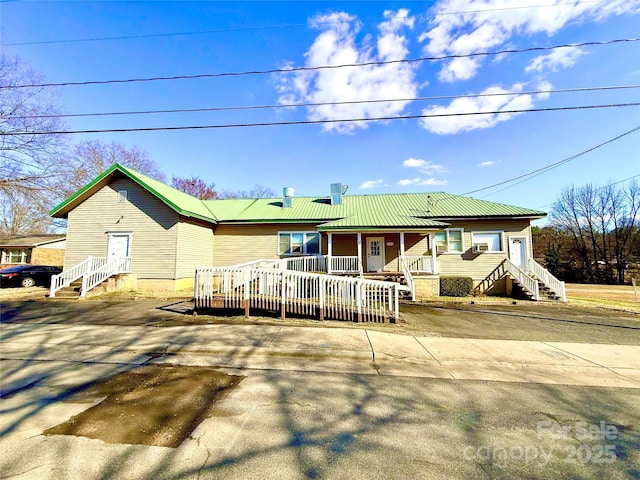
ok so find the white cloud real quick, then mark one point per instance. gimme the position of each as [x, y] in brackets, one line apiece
[424, 166]
[372, 184]
[336, 45]
[544, 86]
[487, 163]
[560, 58]
[421, 182]
[461, 27]
[463, 111]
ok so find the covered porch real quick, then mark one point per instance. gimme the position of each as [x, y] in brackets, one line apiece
[371, 252]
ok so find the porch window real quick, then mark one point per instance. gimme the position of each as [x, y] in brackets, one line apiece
[450, 240]
[492, 240]
[298, 243]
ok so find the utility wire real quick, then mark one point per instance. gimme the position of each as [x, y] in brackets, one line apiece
[608, 185]
[267, 27]
[316, 122]
[540, 171]
[321, 67]
[354, 102]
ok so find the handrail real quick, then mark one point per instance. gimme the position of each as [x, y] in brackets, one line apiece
[557, 286]
[112, 266]
[408, 278]
[67, 277]
[531, 284]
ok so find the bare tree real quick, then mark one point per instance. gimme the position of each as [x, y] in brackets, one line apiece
[30, 162]
[93, 157]
[195, 186]
[258, 191]
[603, 223]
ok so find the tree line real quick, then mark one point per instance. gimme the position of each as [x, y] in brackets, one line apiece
[593, 235]
[39, 171]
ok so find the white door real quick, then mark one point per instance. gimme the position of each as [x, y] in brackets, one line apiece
[375, 254]
[118, 245]
[518, 251]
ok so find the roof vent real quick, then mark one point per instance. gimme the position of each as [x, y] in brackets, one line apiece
[288, 193]
[337, 190]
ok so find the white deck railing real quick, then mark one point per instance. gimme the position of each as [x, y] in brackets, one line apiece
[297, 292]
[418, 264]
[546, 277]
[307, 264]
[89, 268]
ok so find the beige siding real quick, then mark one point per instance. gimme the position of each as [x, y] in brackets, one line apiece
[195, 248]
[479, 265]
[243, 243]
[154, 227]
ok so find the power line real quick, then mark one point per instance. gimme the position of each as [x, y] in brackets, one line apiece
[608, 185]
[354, 102]
[321, 67]
[315, 122]
[540, 171]
[265, 27]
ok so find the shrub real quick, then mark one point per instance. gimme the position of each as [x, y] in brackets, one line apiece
[456, 286]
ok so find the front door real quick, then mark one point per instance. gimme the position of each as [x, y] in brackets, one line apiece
[518, 251]
[375, 254]
[119, 245]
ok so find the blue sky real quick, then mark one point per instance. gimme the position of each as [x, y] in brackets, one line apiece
[457, 154]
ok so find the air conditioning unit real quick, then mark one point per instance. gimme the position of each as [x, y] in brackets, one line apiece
[480, 247]
[441, 248]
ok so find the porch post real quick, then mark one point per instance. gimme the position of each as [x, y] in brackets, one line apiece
[432, 244]
[401, 249]
[360, 262]
[329, 248]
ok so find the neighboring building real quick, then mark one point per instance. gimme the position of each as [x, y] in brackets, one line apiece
[32, 249]
[168, 234]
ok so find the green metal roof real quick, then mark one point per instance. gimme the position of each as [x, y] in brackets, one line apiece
[181, 202]
[405, 210]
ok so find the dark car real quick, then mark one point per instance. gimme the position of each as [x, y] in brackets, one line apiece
[28, 275]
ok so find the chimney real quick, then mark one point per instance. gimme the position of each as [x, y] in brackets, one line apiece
[287, 200]
[337, 190]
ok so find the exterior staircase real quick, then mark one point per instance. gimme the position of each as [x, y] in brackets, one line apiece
[76, 281]
[536, 283]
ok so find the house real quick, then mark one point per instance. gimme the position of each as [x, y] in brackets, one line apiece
[166, 234]
[43, 249]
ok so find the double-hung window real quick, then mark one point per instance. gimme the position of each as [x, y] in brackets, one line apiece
[16, 255]
[450, 240]
[299, 243]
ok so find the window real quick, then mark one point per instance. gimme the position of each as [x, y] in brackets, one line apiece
[122, 196]
[492, 240]
[299, 243]
[451, 240]
[16, 255]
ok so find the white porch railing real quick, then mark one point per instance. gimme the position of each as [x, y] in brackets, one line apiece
[418, 264]
[408, 277]
[546, 277]
[307, 264]
[297, 292]
[87, 268]
[346, 264]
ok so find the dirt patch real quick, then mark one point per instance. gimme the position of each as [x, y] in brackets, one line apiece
[23, 293]
[152, 405]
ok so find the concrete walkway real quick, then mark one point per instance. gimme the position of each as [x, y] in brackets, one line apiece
[28, 352]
